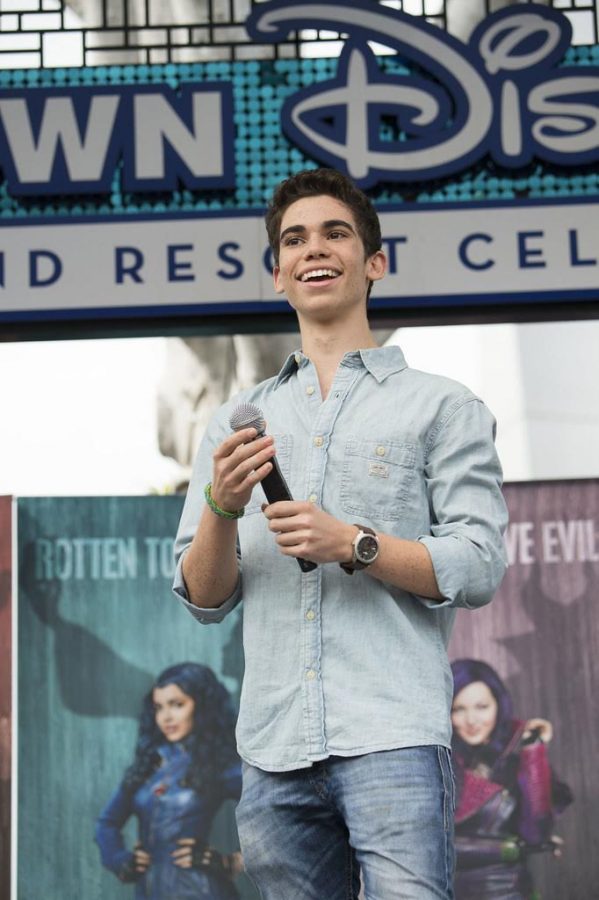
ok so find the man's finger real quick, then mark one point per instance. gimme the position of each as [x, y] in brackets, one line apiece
[234, 440]
[283, 509]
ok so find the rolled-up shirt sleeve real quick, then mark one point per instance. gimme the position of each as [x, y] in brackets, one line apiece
[469, 514]
[190, 517]
[207, 616]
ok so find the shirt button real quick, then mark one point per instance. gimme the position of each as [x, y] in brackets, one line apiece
[310, 390]
[298, 358]
[310, 615]
[313, 498]
[380, 451]
[318, 441]
[310, 674]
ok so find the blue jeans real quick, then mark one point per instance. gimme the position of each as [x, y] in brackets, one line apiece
[308, 834]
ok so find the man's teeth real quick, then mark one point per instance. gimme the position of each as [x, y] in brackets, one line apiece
[319, 273]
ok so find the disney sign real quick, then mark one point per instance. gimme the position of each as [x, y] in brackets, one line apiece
[501, 95]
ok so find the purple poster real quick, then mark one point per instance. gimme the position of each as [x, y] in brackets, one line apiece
[526, 722]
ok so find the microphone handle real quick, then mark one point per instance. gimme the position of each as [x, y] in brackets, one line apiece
[275, 488]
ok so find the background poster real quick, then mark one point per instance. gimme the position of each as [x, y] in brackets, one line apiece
[5, 692]
[541, 634]
[97, 623]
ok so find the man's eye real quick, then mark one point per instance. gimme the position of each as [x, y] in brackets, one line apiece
[337, 234]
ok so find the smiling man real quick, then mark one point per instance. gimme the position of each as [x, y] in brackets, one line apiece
[344, 722]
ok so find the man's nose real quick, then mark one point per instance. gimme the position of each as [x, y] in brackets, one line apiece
[316, 246]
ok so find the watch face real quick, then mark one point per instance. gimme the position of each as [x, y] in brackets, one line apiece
[367, 548]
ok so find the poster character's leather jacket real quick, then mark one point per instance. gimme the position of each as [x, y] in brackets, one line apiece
[505, 812]
[167, 810]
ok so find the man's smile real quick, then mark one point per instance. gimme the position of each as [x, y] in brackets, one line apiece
[319, 274]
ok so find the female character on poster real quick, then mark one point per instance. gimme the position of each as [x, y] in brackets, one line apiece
[507, 795]
[185, 766]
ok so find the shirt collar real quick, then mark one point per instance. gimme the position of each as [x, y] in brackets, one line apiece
[379, 361]
[291, 364]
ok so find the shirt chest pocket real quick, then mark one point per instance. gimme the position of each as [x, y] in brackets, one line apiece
[283, 443]
[377, 478]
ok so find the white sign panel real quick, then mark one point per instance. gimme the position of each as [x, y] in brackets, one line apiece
[177, 265]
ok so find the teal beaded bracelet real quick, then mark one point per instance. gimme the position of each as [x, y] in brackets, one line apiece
[216, 508]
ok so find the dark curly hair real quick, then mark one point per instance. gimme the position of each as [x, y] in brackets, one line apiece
[315, 182]
[212, 740]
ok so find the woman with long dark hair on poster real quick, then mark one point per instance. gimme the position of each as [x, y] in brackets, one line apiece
[507, 795]
[185, 766]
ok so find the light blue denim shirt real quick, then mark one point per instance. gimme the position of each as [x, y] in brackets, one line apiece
[339, 664]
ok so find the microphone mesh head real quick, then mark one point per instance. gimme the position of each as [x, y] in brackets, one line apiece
[247, 415]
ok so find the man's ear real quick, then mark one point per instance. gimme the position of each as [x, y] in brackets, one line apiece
[377, 266]
[276, 272]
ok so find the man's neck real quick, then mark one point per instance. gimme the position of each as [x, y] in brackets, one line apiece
[327, 344]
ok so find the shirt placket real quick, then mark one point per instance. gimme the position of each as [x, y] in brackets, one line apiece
[322, 417]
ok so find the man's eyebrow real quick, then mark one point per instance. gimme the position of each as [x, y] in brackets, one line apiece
[330, 223]
[338, 223]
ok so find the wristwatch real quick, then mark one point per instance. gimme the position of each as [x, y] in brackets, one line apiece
[365, 547]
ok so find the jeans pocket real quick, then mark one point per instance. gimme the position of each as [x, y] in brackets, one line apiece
[377, 477]
[449, 792]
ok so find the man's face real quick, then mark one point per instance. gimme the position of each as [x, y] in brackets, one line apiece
[322, 269]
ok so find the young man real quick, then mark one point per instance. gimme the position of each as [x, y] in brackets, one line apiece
[344, 723]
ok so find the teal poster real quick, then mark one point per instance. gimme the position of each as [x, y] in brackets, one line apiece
[97, 623]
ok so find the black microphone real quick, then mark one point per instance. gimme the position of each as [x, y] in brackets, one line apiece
[248, 415]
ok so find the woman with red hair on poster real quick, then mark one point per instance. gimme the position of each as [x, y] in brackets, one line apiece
[507, 795]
